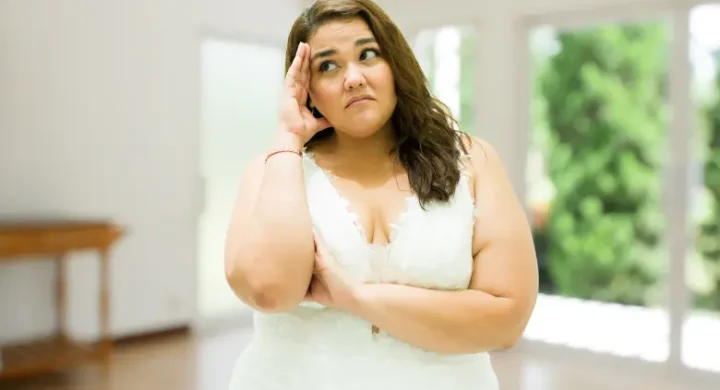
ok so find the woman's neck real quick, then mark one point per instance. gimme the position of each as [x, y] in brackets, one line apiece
[372, 150]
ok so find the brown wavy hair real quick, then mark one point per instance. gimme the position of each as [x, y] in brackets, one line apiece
[428, 142]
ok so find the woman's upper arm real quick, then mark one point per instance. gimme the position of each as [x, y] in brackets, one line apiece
[505, 263]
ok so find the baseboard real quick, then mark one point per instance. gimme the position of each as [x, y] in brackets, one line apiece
[154, 335]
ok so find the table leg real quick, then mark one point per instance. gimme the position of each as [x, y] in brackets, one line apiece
[61, 295]
[105, 334]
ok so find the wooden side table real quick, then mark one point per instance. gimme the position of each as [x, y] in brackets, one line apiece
[21, 239]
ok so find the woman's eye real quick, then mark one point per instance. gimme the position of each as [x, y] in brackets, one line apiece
[368, 54]
[327, 66]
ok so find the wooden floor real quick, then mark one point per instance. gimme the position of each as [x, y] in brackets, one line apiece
[184, 362]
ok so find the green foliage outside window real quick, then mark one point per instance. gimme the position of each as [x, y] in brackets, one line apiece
[708, 243]
[604, 93]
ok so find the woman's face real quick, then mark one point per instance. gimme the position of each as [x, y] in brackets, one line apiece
[351, 84]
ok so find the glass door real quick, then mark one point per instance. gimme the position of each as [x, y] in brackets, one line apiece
[240, 91]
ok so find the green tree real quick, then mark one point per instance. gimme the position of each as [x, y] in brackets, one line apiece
[709, 235]
[604, 92]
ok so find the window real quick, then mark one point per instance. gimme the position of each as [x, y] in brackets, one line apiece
[701, 333]
[448, 58]
[598, 139]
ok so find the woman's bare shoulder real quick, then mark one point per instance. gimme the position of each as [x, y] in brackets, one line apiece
[480, 151]
[483, 162]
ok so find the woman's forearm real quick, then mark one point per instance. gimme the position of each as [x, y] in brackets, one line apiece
[273, 259]
[466, 321]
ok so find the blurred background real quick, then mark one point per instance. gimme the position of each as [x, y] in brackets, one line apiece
[145, 113]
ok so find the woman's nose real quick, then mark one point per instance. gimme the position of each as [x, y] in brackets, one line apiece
[353, 77]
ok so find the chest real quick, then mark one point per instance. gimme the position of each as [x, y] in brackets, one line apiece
[382, 236]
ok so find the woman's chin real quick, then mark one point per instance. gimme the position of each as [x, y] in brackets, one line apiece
[364, 131]
[362, 126]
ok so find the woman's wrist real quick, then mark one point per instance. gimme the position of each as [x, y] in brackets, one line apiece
[360, 297]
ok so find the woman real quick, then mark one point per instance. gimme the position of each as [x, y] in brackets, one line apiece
[381, 248]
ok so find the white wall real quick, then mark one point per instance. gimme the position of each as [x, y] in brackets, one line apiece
[98, 114]
[264, 22]
[99, 117]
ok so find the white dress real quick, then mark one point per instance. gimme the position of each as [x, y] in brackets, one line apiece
[317, 348]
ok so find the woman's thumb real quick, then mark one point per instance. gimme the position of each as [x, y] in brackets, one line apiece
[322, 124]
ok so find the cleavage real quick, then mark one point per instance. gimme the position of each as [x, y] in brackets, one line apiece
[377, 212]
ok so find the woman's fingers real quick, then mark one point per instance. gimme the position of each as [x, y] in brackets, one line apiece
[320, 264]
[305, 69]
[295, 68]
[322, 124]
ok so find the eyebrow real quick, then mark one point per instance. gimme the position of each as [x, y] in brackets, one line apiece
[330, 52]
